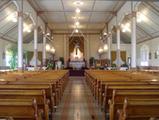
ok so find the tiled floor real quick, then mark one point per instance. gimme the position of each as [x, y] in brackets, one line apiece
[78, 103]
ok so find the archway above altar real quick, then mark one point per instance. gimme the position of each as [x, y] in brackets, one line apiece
[76, 47]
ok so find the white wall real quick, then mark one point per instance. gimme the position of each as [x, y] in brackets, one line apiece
[153, 47]
[58, 43]
[3, 45]
[61, 44]
[94, 45]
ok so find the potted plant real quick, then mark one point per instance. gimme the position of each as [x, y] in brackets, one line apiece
[62, 60]
[14, 52]
[91, 61]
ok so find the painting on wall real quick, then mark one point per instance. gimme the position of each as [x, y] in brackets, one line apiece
[155, 55]
[74, 42]
[150, 55]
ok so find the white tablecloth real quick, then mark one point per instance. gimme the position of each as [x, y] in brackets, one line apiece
[77, 64]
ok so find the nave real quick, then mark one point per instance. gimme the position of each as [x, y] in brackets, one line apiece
[78, 103]
[79, 60]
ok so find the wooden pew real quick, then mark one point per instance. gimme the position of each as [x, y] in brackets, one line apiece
[102, 83]
[139, 109]
[46, 88]
[56, 82]
[52, 82]
[119, 95]
[100, 89]
[19, 109]
[108, 93]
[39, 95]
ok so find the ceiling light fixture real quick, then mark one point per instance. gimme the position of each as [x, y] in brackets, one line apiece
[76, 17]
[78, 10]
[48, 47]
[48, 34]
[100, 50]
[141, 17]
[13, 17]
[52, 50]
[27, 28]
[77, 23]
[126, 27]
[78, 3]
[105, 33]
[105, 47]
[76, 31]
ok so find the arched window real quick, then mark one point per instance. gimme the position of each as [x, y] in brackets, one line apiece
[144, 55]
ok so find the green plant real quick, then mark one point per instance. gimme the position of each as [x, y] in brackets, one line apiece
[124, 65]
[14, 52]
[91, 61]
[62, 60]
[113, 65]
[50, 65]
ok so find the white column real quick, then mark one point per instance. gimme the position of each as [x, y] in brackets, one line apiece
[133, 40]
[88, 49]
[20, 38]
[44, 50]
[109, 45]
[65, 50]
[35, 46]
[118, 47]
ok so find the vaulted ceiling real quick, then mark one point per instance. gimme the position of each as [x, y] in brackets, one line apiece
[93, 16]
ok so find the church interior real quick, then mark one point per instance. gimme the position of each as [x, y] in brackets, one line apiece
[79, 60]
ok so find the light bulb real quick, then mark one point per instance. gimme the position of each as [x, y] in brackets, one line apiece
[48, 34]
[105, 47]
[77, 23]
[105, 33]
[100, 50]
[52, 50]
[47, 47]
[29, 31]
[78, 3]
[76, 31]
[78, 10]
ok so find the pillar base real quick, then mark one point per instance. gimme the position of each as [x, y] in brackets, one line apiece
[133, 69]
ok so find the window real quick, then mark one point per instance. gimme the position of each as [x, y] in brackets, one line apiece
[8, 57]
[144, 55]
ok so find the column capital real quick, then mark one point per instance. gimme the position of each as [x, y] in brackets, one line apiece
[133, 14]
[117, 27]
[20, 14]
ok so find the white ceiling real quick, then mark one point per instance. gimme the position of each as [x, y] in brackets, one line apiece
[92, 19]
[94, 13]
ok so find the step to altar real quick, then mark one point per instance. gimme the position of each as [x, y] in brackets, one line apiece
[76, 72]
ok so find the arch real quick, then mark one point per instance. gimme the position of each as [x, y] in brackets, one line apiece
[137, 5]
[32, 19]
[16, 4]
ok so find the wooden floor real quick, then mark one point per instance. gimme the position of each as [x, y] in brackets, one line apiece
[78, 102]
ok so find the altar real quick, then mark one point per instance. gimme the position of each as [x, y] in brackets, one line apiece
[77, 65]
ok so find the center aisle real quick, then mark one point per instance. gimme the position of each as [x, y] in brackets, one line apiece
[78, 102]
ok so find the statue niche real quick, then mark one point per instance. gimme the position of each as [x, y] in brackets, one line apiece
[76, 52]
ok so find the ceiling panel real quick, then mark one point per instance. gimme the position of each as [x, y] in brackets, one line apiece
[98, 17]
[104, 5]
[82, 17]
[50, 5]
[96, 25]
[57, 17]
[58, 25]
[69, 6]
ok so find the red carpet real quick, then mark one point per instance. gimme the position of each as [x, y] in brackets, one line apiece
[77, 72]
